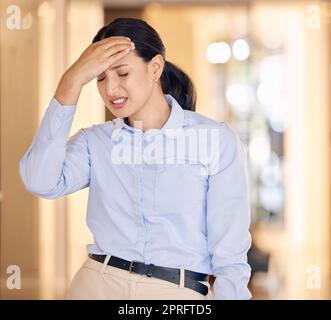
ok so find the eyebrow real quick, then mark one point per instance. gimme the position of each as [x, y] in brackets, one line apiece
[120, 65]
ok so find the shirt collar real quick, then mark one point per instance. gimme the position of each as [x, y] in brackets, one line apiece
[172, 128]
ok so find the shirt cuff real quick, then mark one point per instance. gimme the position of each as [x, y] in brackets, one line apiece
[56, 122]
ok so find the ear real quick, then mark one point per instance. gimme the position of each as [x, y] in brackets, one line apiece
[157, 65]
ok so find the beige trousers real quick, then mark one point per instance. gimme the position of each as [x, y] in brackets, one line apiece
[99, 281]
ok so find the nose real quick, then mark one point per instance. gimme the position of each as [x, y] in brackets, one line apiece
[112, 85]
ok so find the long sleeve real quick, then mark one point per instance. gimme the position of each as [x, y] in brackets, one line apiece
[228, 220]
[54, 166]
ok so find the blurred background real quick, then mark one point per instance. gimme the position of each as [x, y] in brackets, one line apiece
[261, 66]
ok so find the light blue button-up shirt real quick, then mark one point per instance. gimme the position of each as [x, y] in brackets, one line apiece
[150, 199]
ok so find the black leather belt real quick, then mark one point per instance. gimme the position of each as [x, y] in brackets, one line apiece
[164, 273]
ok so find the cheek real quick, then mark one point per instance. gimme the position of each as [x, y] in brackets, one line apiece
[135, 84]
[139, 78]
[101, 88]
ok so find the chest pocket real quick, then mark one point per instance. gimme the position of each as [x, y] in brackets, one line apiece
[179, 187]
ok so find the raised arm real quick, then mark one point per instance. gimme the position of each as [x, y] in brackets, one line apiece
[53, 166]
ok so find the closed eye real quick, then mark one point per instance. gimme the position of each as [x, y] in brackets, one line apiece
[120, 75]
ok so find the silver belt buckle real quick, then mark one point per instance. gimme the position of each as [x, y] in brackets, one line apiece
[130, 266]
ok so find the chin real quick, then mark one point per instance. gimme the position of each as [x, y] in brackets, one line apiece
[119, 113]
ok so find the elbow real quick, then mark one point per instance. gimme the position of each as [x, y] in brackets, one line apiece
[36, 186]
[37, 191]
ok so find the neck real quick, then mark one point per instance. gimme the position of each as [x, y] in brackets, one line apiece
[154, 114]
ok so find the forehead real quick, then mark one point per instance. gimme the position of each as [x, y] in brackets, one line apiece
[130, 59]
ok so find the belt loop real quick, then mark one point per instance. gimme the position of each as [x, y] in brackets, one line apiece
[105, 263]
[182, 278]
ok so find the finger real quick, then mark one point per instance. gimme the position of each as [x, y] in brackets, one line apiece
[117, 56]
[107, 46]
[113, 40]
[120, 47]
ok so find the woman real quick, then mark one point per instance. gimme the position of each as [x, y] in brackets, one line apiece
[164, 214]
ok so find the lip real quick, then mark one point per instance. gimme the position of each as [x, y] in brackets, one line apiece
[119, 106]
